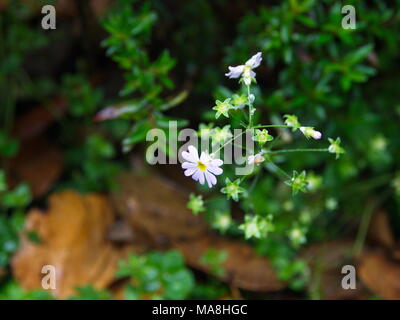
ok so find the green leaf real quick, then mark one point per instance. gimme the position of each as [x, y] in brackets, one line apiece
[12, 291]
[19, 197]
[8, 146]
[178, 99]
[358, 55]
[90, 293]
[164, 121]
[3, 182]
[137, 134]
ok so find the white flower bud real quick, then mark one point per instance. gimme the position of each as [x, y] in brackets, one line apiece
[309, 132]
[251, 98]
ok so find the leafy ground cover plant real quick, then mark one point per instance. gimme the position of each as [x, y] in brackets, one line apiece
[260, 222]
[322, 114]
[314, 70]
[157, 276]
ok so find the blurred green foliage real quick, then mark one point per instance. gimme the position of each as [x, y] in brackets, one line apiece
[90, 293]
[12, 205]
[343, 82]
[214, 259]
[18, 39]
[157, 275]
[146, 79]
[90, 157]
[91, 165]
[12, 291]
[82, 98]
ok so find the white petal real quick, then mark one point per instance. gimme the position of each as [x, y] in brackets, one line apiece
[205, 157]
[192, 150]
[235, 72]
[254, 61]
[211, 179]
[196, 175]
[190, 171]
[250, 160]
[215, 170]
[201, 176]
[192, 155]
[317, 135]
[216, 162]
[188, 157]
[188, 165]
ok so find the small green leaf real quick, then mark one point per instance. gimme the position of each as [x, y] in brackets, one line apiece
[137, 134]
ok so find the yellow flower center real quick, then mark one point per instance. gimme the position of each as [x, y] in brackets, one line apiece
[246, 71]
[201, 166]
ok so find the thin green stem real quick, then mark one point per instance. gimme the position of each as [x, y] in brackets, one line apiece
[271, 126]
[278, 169]
[229, 141]
[253, 184]
[298, 150]
[365, 222]
[250, 108]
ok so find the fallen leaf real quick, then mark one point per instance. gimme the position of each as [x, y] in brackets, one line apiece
[156, 208]
[380, 232]
[73, 239]
[381, 274]
[39, 163]
[243, 267]
[34, 122]
[326, 261]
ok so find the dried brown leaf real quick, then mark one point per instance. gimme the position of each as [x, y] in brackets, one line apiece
[157, 208]
[326, 261]
[243, 268]
[73, 239]
[380, 231]
[39, 163]
[34, 122]
[381, 274]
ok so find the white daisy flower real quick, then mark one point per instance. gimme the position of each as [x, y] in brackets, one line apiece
[201, 169]
[245, 70]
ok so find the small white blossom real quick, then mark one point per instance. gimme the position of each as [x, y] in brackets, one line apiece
[205, 131]
[297, 236]
[292, 121]
[251, 98]
[378, 143]
[309, 132]
[331, 204]
[246, 70]
[256, 159]
[203, 168]
[220, 135]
